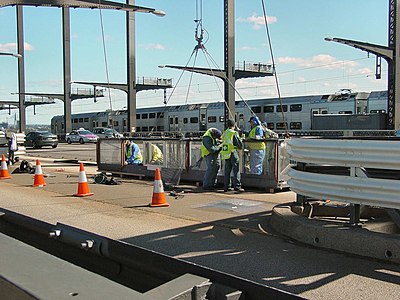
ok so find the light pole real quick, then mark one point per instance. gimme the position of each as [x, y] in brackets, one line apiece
[11, 54]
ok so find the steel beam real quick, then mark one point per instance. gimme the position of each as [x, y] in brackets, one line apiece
[229, 48]
[131, 68]
[21, 69]
[92, 4]
[67, 69]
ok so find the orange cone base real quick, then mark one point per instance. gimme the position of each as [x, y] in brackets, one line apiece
[83, 195]
[39, 184]
[6, 176]
[159, 205]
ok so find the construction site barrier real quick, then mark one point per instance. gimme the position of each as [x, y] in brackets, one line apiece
[181, 160]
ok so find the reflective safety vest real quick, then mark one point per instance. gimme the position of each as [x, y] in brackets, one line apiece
[204, 151]
[157, 155]
[227, 143]
[255, 144]
[129, 153]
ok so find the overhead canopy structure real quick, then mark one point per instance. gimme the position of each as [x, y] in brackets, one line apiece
[82, 4]
[65, 5]
[389, 54]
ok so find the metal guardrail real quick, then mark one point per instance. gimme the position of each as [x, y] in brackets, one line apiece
[355, 190]
[354, 154]
[382, 154]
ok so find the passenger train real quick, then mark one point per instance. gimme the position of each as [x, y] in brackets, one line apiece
[298, 113]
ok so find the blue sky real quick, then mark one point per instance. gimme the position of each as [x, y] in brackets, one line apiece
[306, 63]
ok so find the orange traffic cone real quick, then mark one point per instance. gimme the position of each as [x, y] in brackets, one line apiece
[83, 186]
[3, 170]
[158, 191]
[38, 179]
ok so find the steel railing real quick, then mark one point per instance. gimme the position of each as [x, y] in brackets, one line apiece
[355, 156]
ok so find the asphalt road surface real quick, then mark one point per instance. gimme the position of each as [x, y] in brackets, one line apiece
[82, 152]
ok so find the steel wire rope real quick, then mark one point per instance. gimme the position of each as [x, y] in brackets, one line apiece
[274, 66]
[173, 90]
[191, 76]
[106, 65]
[233, 86]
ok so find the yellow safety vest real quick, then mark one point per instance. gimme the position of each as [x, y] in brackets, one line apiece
[255, 144]
[227, 143]
[157, 154]
[129, 153]
[204, 151]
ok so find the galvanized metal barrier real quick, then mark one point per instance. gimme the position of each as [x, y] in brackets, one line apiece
[369, 170]
[141, 273]
[182, 161]
[4, 144]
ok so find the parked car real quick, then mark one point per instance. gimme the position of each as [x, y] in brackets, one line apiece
[81, 136]
[103, 132]
[39, 139]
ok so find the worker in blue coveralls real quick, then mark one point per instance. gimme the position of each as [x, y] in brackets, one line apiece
[133, 156]
[210, 149]
[230, 143]
[256, 146]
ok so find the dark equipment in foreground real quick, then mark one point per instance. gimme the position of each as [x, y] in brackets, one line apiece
[140, 273]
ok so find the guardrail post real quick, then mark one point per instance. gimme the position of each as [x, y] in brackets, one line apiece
[355, 210]
[300, 199]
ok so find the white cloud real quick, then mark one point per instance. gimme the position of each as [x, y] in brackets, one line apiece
[152, 46]
[324, 61]
[12, 47]
[258, 21]
[247, 48]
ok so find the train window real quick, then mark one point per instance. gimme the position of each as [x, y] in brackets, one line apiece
[222, 119]
[176, 120]
[160, 128]
[171, 121]
[281, 125]
[160, 115]
[345, 112]
[80, 120]
[103, 124]
[241, 116]
[137, 116]
[280, 107]
[324, 112]
[212, 119]
[256, 109]
[271, 125]
[295, 125]
[145, 116]
[145, 129]
[138, 129]
[194, 120]
[185, 120]
[269, 109]
[152, 115]
[124, 122]
[115, 123]
[295, 107]
[203, 117]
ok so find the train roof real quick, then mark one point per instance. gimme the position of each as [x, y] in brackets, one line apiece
[339, 96]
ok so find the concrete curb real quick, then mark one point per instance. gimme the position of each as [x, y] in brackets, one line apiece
[336, 235]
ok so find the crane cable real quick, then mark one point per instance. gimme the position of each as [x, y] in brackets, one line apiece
[106, 65]
[274, 66]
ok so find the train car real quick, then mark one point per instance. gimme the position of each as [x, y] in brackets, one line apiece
[292, 113]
